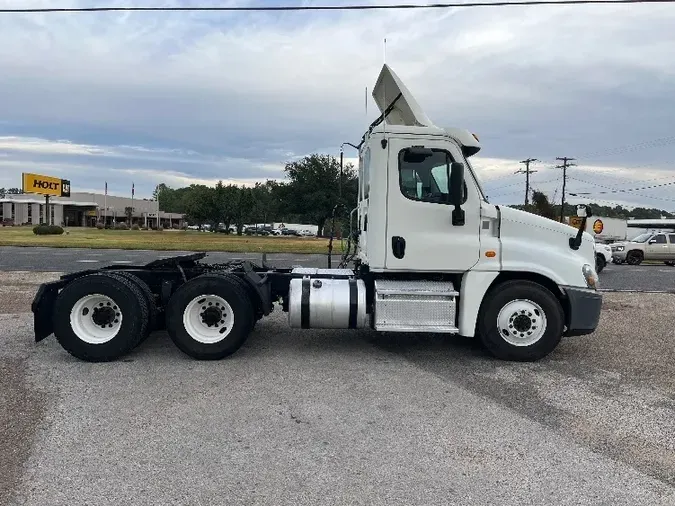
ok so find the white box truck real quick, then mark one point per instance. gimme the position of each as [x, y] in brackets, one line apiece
[603, 228]
[428, 253]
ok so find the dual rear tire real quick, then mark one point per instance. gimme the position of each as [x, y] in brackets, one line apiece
[103, 316]
[100, 317]
[210, 317]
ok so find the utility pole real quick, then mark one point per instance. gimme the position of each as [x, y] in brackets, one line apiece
[564, 167]
[527, 173]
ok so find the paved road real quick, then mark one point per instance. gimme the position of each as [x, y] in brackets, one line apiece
[75, 259]
[614, 277]
[658, 278]
[341, 417]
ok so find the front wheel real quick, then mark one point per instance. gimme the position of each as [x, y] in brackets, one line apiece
[634, 258]
[520, 321]
[600, 263]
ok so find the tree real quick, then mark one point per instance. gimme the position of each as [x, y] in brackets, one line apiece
[540, 205]
[243, 208]
[266, 201]
[128, 211]
[313, 189]
[225, 201]
[198, 204]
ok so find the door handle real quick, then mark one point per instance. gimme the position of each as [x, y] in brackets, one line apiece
[398, 246]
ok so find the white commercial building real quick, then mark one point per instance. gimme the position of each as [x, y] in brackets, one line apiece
[83, 210]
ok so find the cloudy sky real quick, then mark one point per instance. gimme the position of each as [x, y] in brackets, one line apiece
[196, 97]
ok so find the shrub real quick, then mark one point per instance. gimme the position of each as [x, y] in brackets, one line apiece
[135, 227]
[144, 227]
[160, 228]
[121, 226]
[47, 230]
[176, 226]
[99, 225]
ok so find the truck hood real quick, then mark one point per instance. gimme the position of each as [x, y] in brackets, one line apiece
[539, 222]
[536, 244]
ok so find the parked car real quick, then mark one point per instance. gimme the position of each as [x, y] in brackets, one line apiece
[649, 246]
[603, 256]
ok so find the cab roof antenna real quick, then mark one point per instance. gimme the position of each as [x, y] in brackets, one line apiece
[366, 103]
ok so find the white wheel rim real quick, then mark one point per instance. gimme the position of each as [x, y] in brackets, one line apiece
[208, 319]
[95, 318]
[521, 322]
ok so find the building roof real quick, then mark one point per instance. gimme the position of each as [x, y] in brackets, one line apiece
[26, 199]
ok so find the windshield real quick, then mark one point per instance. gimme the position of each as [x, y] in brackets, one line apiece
[642, 238]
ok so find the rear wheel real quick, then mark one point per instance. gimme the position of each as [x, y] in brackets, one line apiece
[100, 317]
[210, 316]
[520, 321]
[153, 312]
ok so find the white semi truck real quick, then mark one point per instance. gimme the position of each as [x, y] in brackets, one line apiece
[428, 252]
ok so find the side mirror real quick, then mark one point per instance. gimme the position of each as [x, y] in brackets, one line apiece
[456, 182]
[652, 241]
[584, 211]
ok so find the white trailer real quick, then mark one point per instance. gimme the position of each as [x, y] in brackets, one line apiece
[603, 228]
[430, 254]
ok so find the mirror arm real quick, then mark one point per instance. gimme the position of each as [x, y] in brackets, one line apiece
[575, 241]
[456, 183]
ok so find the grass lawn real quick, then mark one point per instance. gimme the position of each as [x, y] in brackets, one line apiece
[165, 241]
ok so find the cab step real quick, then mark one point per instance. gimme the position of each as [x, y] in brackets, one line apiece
[415, 306]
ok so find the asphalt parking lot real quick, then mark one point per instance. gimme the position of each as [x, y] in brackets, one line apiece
[341, 417]
[614, 277]
[77, 259]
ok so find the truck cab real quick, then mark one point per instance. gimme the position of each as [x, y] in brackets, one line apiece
[423, 215]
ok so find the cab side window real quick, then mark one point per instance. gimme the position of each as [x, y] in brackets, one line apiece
[659, 239]
[424, 176]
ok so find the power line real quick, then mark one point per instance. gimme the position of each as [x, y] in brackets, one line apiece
[564, 167]
[518, 191]
[442, 5]
[619, 190]
[527, 173]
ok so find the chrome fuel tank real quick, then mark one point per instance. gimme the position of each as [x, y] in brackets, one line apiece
[324, 303]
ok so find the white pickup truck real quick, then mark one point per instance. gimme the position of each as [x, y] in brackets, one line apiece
[603, 256]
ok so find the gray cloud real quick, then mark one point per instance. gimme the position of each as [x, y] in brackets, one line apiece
[247, 93]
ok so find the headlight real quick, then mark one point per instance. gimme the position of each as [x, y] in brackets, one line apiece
[590, 276]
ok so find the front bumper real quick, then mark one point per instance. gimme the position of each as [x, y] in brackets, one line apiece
[583, 314]
[619, 256]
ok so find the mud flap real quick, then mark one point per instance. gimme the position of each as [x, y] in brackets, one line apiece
[42, 306]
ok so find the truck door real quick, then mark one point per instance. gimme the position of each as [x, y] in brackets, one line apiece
[419, 233]
[657, 248]
[671, 247]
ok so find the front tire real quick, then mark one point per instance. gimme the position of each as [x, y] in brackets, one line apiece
[600, 263]
[100, 317]
[520, 321]
[210, 317]
[634, 258]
